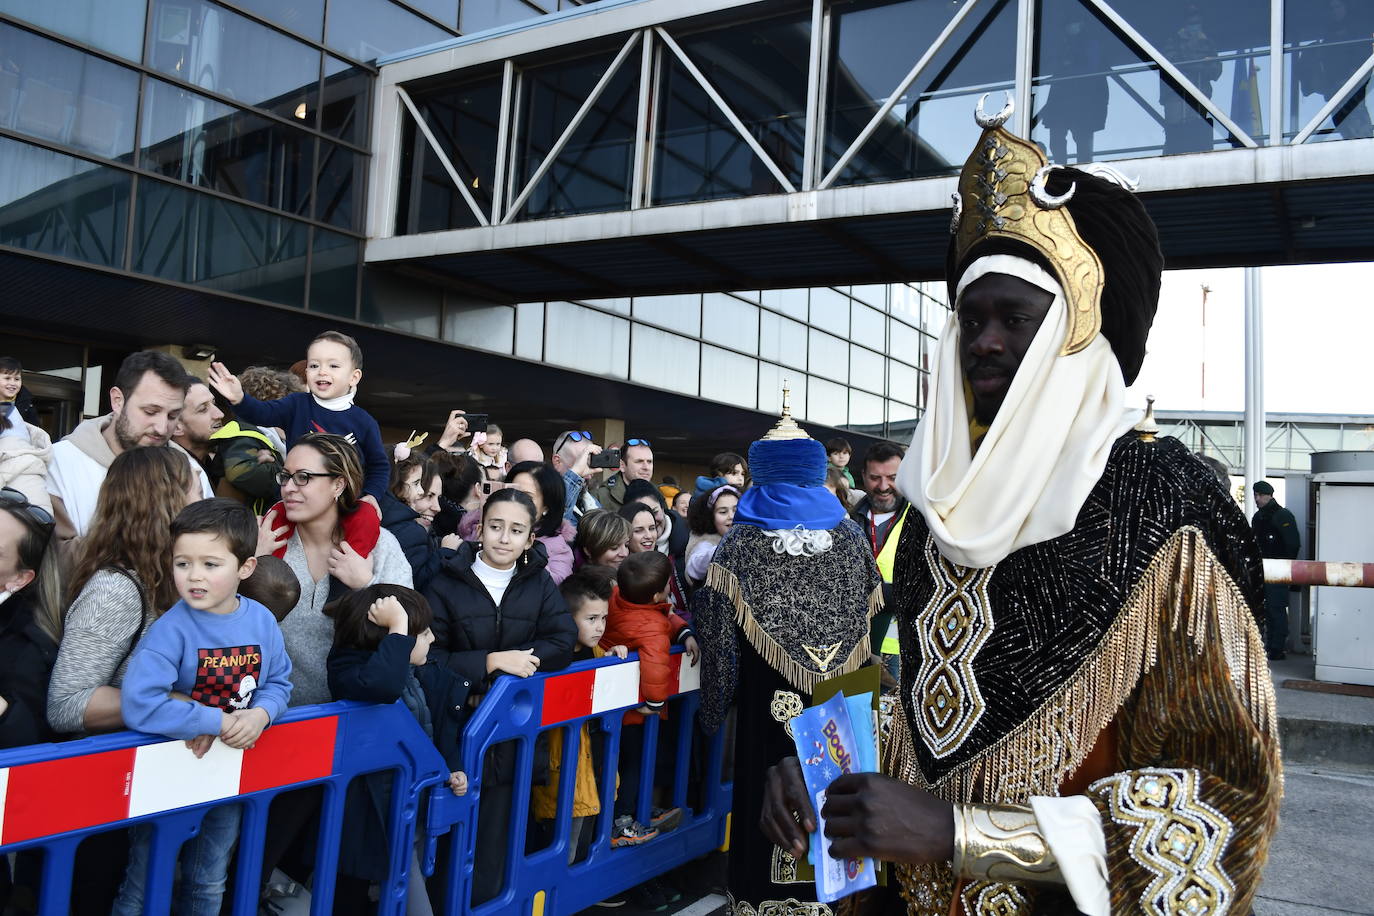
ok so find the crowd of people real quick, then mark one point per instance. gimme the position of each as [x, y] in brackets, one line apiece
[1076, 713]
[212, 527]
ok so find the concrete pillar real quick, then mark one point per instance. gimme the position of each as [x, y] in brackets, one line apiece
[1254, 386]
[605, 430]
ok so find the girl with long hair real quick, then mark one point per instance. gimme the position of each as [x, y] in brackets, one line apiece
[121, 582]
[30, 618]
[544, 486]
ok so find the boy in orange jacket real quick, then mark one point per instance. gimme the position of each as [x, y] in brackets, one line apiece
[642, 619]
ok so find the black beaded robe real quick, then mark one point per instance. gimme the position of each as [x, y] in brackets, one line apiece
[771, 626]
[1123, 661]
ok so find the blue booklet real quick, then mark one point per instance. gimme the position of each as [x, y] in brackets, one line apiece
[827, 748]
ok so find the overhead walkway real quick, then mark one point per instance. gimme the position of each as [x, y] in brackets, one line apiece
[653, 146]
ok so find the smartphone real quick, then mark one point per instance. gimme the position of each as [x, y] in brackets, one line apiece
[486, 487]
[477, 422]
[607, 458]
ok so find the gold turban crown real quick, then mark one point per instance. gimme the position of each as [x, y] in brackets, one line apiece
[1002, 195]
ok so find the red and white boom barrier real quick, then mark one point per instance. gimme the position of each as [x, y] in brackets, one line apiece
[1316, 572]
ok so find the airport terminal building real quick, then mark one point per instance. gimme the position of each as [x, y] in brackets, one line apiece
[651, 213]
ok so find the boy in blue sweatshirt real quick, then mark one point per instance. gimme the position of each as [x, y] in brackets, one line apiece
[213, 666]
[333, 368]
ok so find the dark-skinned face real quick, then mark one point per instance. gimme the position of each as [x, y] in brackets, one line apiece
[999, 316]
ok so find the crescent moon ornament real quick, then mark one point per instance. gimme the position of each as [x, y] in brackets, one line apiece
[1044, 198]
[987, 121]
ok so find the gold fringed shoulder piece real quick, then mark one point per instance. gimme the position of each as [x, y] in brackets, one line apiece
[794, 672]
[1184, 588]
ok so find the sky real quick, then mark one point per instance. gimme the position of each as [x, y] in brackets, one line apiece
[1318, 326]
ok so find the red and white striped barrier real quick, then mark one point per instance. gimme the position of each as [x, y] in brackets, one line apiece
[589, 693]
[1316, 572]
[74, 793]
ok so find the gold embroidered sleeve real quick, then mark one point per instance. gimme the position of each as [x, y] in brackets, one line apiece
[1189, 818]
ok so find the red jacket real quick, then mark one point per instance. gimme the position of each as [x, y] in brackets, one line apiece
[650, 630]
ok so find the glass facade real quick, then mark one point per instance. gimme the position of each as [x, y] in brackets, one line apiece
[740, 348]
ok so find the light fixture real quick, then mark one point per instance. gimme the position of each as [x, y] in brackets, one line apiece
[198, 352]
[300, 112]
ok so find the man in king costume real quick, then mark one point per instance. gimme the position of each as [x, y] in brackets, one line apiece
[1087, 716]
[786, 604]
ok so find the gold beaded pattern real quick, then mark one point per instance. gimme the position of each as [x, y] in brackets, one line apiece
[952, 627]
[1177, 836]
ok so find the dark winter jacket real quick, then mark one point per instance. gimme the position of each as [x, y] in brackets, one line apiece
[1277, 532]
[468, 625]
[381, 677]
[26, 659]
[421, 547]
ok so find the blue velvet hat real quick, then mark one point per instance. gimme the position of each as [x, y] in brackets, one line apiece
[788, 470]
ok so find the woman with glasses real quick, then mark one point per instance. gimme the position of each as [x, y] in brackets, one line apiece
[321, 485]
[408, 510]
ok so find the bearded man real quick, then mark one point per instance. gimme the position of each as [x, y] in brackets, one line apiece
[1087, 719]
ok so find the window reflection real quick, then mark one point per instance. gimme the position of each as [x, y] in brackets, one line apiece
[664, 360]
[587, 340]
[346, 98]
[191, 237]
[51, 91]
[829, 356]
[1095, 88]
[304, 17]
[592, 173]
[759, 69]
[680, 312]
[1328, 41]
[865, 369]
[929, 131]
[111, 25]
[464, 119]
[401, 303]
[826, 402]
[201, 141]
[728, 377]
[480, 15]
[368, 29]
[338, 189]
[730, 322]
[334, 274]
[208, 46]
[782, 340]
[482, 325]
[62, 205]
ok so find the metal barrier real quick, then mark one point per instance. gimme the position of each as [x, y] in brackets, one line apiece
[518, 711]
[54, 796]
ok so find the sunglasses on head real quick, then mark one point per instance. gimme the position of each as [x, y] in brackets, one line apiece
[577, 435]
[11, 498]
[643, 442]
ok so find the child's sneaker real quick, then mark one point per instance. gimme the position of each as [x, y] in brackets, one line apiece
[665, 819]
[630, 832]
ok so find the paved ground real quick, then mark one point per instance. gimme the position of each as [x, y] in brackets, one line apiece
[1322, 861]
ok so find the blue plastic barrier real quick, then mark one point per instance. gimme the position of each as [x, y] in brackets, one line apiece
[518, 711]
[56, 795]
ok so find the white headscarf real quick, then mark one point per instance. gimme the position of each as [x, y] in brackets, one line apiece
[1046, 448]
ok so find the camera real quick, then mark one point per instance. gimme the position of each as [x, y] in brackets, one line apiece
[606, 458]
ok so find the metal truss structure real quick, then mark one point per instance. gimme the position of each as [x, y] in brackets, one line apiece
[813, 172]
